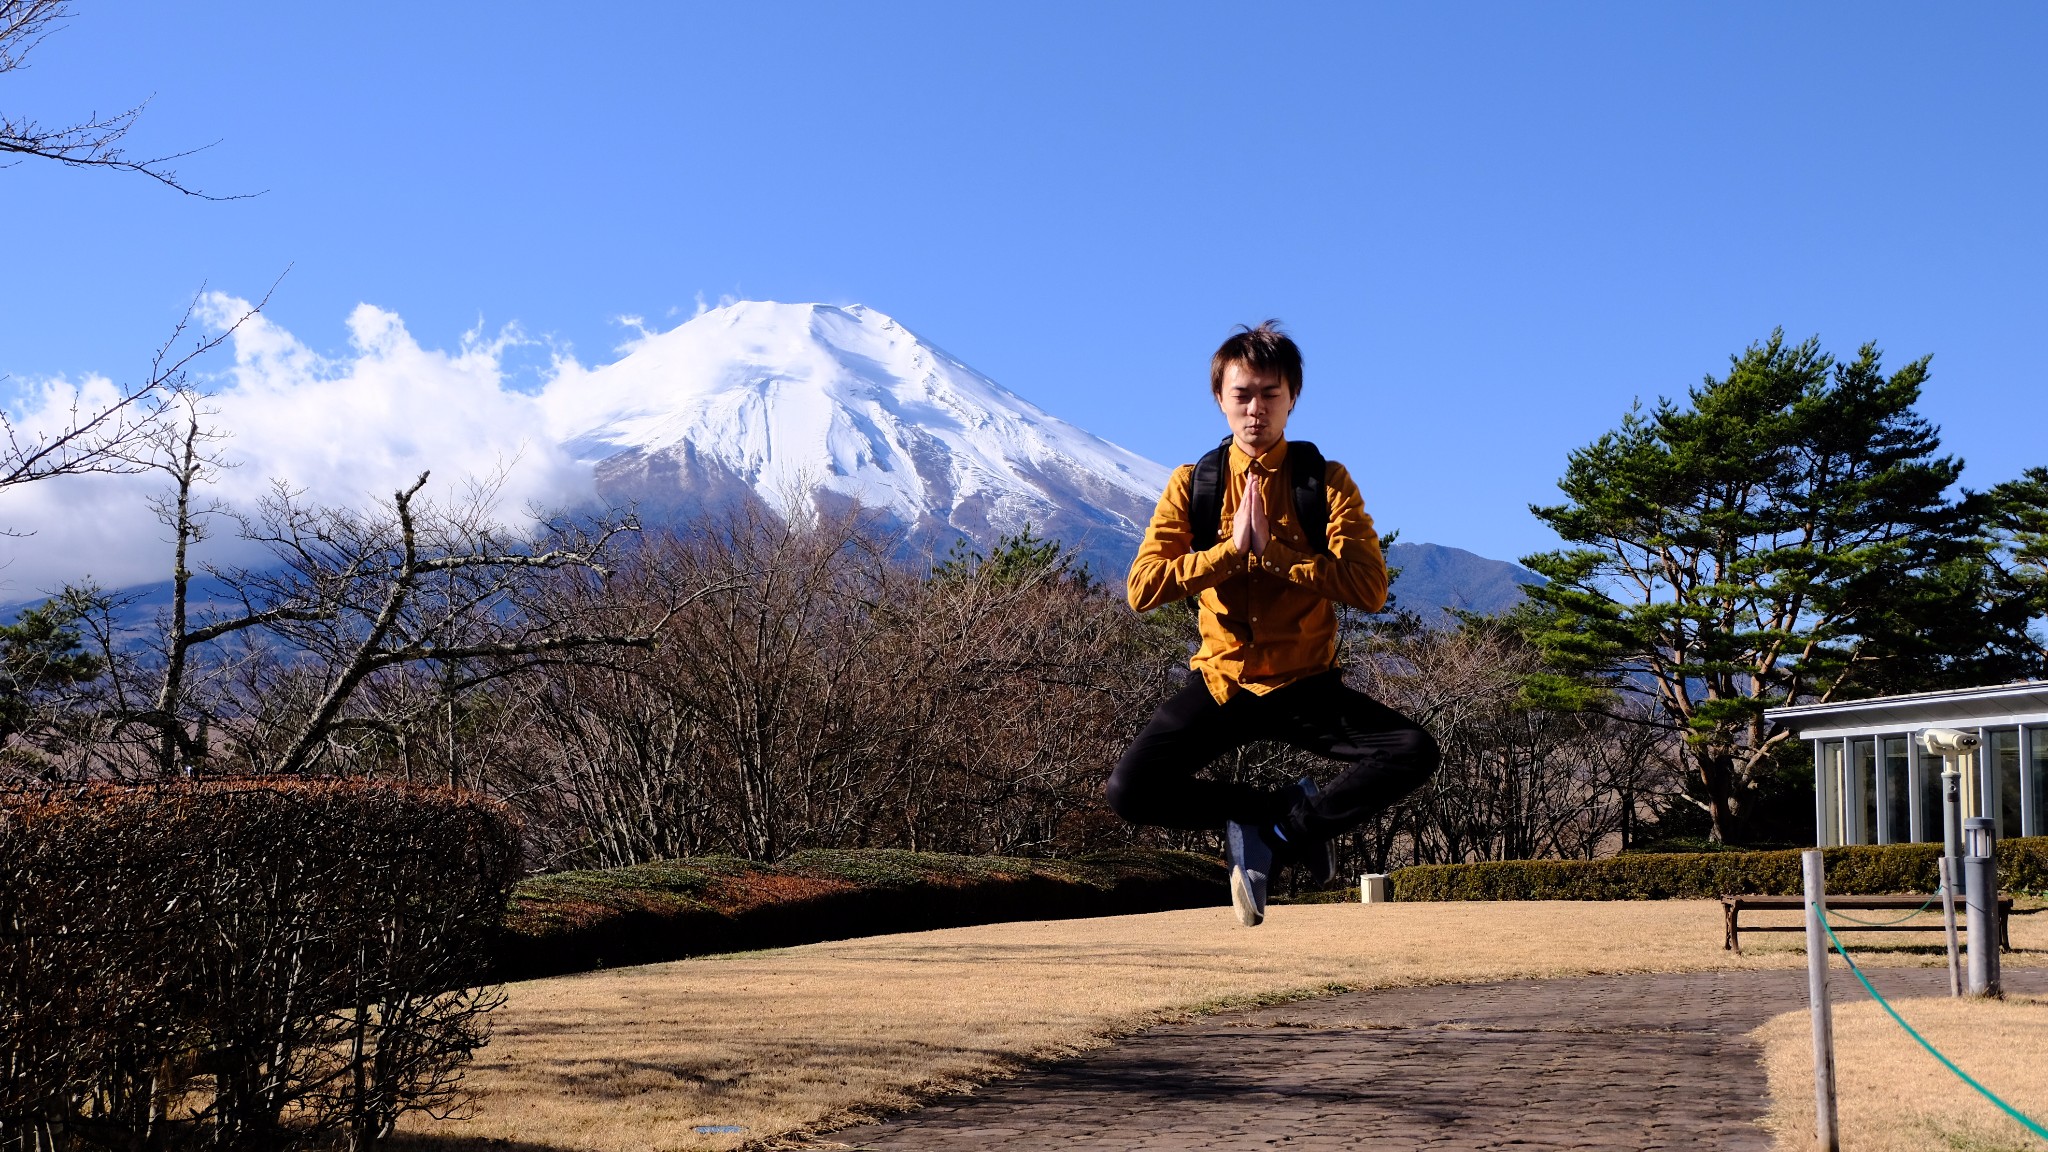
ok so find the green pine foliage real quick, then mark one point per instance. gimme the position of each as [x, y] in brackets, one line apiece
[2019, 527]
[1016, 558]
[41, 652]
[1785, 534]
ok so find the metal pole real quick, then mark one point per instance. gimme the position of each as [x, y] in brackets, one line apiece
[1948, 917]
[1952, 818]
[1814, 873]
[1981, 870]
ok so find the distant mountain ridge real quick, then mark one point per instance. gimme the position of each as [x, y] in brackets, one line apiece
[1434, 577]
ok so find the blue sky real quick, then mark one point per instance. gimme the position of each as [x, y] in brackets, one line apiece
[1491, 226]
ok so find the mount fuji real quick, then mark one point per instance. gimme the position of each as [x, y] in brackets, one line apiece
[796, 405]
[810, 403]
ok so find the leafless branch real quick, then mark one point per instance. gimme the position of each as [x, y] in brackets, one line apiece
[118, 437]
[96, 141]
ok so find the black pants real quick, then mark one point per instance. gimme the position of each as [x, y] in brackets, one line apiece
[1386, 756]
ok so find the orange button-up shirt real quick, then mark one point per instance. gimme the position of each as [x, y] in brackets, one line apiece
[1266, 620]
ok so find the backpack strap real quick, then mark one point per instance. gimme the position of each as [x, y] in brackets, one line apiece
[1205, 496]
[1311, 497]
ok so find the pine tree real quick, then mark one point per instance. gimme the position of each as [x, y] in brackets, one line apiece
[2019, 532]
[43, 652]
[1786, 535]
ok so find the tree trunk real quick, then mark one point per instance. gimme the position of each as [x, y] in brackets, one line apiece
[1717, 780]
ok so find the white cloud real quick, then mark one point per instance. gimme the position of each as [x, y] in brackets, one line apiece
[346, 430]
[637, 325]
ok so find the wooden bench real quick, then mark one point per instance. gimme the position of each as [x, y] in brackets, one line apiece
[1732, 908]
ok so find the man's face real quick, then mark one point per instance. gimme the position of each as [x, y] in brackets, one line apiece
[1256, 404]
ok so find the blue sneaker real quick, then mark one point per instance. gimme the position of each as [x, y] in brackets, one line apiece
[1316, 858]
[1251, 862]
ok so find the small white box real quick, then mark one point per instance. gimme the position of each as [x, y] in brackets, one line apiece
[1374, 889]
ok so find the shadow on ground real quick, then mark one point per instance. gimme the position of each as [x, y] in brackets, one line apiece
[417, 1142]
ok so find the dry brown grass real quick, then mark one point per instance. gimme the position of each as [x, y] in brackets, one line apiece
[1891, 1096]
[794, 1039]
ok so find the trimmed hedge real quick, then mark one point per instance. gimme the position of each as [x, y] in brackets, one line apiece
[241, 964]
[578, 921]
[1851, 870]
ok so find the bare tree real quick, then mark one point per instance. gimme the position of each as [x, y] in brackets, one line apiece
[1518, 780]
[823, 693]
[122, 436]
[760, 687]
[107, 437]
[288, 663]
[94, 142]
[616, 766]
[1037, 678]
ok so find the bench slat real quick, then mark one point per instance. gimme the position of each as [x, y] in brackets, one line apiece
[1797, 903]
[1732, 908]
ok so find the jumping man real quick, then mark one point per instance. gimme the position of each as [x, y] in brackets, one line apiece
[1267, 534]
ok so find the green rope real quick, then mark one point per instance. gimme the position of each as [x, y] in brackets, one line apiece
[1947, 1063]
[1889, 923]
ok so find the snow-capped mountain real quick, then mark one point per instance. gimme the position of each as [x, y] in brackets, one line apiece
[794, 403]
[790, 405]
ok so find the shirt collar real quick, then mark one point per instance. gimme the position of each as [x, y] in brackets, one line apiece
[1269, 461]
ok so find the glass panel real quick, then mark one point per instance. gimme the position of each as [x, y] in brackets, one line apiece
[2005, 770]
[2037, 775]
[1898, 827]
[1865, 753]
[1930, 798]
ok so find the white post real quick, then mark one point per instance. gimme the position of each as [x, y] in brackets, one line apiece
[1820, 793]
[1983, 781]
[1952, 818]
[1917, 818]
[1853, 831]
[1988, 784]
[1815, 875]
[1880, 774]
[1374, 888]
[2028, 801]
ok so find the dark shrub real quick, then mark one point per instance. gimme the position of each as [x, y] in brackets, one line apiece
[575, 921]
[1853, 870]
[250, 964]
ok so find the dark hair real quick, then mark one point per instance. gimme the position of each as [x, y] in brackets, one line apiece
[1262, 349]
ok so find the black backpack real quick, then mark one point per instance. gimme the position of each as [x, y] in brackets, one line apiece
[1311, 501]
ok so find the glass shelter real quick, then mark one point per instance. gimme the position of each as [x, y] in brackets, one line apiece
[1873, 784]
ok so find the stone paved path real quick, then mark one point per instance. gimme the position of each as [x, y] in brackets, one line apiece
[1635, 1062]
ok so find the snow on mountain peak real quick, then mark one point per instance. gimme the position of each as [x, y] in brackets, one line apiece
[813, 400]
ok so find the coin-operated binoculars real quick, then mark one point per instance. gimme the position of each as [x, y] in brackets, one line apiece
[1951, 745]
